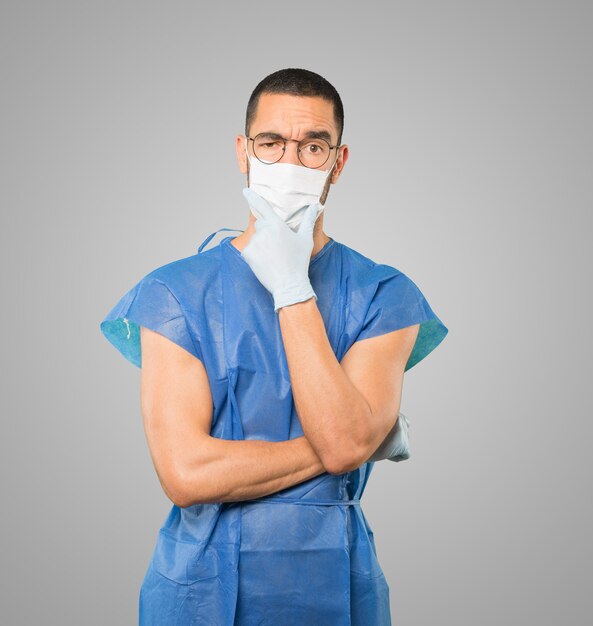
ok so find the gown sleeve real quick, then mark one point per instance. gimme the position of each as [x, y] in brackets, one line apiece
[398, 303]
[152, 304]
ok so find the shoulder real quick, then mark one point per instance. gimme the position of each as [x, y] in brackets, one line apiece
[166, 301]
[195, 266]
[386, 300]
[188, 276]
[367, 274]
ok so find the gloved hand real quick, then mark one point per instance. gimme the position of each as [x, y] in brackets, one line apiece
[396, 446]
[278, 256]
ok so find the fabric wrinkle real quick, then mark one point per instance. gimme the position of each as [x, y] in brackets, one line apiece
[306, 553]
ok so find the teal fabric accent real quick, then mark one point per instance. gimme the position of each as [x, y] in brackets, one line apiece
[307, 555]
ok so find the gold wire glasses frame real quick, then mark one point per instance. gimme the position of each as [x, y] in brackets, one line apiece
[298, 150]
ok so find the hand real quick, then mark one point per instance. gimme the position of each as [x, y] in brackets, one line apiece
[396, 446]
[278, 256]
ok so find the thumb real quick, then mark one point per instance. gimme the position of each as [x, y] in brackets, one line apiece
[309, 219]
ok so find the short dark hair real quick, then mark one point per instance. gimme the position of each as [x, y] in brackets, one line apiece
[297, 82]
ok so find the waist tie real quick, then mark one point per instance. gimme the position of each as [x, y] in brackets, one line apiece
[309, 502]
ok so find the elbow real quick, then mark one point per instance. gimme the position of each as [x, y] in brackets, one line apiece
[181, 502]
[189, 479]
[181, 491]
[338, 464]
[344, 456]
[181, 498]
[334, 468]
[175, 491]
[195, 486]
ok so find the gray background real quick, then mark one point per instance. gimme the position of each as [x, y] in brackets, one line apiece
[469, 126]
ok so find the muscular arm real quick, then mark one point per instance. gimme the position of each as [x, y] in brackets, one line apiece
[192, 466]
[346, 409]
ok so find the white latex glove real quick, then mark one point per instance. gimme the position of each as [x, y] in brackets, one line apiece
[396, 446]
[278, 256]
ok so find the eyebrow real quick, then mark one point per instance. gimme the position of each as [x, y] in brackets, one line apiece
[311, 134]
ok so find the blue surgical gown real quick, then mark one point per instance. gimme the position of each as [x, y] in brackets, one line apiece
[303, 555]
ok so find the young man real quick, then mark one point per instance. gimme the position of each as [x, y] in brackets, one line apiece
[272, 374]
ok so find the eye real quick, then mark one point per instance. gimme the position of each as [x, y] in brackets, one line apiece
[269, 144]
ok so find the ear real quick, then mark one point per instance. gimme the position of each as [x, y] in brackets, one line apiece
[340, 162]
[241, 147]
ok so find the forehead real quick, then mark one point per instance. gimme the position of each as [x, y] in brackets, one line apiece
[293, 115]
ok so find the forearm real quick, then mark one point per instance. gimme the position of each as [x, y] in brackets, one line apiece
[334, 415]
[229, 471]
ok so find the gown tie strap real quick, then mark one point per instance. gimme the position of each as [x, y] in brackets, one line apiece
[310, 502]
[205, 242]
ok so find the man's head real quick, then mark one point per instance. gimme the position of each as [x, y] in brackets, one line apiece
[292, 103]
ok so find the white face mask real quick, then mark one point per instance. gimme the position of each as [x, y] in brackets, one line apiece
[288, 188]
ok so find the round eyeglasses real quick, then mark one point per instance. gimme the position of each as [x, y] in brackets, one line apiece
[269, 148]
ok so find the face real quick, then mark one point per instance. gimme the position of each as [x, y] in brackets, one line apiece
[292, 117]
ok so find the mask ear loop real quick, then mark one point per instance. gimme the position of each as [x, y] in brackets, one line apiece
[329, 172]
[334, 163]
[248, 158]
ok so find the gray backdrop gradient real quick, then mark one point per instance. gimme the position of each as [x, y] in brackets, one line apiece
[469, 128]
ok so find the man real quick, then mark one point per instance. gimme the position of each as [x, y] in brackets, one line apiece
[272, 374]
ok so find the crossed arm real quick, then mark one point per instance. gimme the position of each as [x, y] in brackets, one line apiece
[346, 410]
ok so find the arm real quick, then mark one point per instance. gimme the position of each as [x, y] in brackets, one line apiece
[192, 466]
[346, 409]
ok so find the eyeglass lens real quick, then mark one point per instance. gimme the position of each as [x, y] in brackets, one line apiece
[312, 152]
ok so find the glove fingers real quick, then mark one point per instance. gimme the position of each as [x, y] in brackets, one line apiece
[309, 219]
[260, 205]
